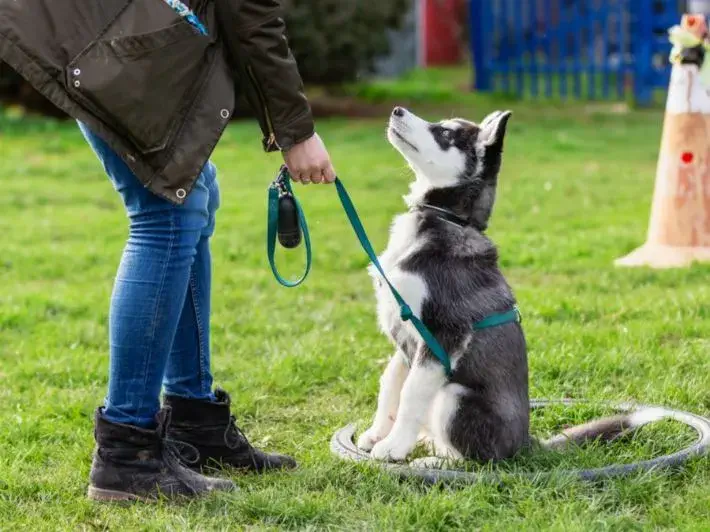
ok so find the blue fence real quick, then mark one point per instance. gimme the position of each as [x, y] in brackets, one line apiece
[586, 49]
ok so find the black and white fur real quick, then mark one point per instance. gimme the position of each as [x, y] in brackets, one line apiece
[446, 268]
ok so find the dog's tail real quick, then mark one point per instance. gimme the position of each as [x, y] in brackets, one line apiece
[605, 429]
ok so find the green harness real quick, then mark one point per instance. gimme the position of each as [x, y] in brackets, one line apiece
[281, 190]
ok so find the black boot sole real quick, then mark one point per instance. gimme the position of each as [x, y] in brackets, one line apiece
[104, 495]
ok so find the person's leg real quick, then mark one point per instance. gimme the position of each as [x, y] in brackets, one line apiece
[131, 461]
[149, 290]
[202, 418]
[188, 369]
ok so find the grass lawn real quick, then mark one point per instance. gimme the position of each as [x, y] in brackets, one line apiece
[574, 195]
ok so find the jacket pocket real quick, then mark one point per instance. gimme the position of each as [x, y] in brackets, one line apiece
[141, 85]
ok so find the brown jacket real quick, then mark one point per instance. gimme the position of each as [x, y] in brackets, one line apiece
[151, 85]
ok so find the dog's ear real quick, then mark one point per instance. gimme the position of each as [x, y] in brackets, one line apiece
[490, 138]
[493, 128]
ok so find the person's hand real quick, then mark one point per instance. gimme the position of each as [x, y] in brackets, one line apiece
[309, 162]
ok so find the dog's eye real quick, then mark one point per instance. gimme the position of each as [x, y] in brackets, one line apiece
[446, 133]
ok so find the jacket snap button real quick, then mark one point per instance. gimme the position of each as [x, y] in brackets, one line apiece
[77, 71]
[180, 193]
[224, 113]
[77, 83]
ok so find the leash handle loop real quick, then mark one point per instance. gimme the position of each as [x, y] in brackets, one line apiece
[282, 185]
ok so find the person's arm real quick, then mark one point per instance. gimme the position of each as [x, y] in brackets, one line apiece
[254, 34]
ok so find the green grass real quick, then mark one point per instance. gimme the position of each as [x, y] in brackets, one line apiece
[574, 195]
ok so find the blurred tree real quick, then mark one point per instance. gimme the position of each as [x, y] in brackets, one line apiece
[335, 41]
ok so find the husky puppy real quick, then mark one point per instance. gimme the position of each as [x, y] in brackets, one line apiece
[446, 268]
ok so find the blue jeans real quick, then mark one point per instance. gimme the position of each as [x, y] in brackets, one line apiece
[159, 320]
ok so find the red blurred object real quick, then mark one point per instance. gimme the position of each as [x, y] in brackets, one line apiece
[687, 157]
[440, 23]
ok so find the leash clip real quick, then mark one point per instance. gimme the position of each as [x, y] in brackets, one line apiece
[281, 183]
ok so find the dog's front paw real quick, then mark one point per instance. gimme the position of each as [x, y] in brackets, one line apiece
[392, 450]
[368, 439]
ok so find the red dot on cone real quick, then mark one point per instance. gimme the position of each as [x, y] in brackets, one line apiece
[687, 157]
[691, 21]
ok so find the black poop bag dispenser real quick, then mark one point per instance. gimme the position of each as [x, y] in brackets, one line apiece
[289, 224]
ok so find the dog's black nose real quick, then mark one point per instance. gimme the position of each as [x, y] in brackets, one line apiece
[398, 111]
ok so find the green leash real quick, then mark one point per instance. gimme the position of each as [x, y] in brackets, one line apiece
[281, 187]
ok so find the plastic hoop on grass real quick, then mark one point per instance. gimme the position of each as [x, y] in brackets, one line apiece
[342, 445]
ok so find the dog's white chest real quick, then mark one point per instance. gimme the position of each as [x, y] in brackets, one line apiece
[411, 287]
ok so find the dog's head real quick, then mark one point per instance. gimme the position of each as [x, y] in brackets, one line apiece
[456, 162]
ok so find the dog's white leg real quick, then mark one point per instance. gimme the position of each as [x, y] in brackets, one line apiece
[426, 438]
[443, 413]
[424, 381]
[391, 383]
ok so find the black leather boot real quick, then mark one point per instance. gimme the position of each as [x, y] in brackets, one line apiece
[210, 427]
[131, 463]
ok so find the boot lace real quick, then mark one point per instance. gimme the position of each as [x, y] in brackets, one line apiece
[234, 439]
[179, 451]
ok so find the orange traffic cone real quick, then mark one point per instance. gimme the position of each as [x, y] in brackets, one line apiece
[679, 228]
